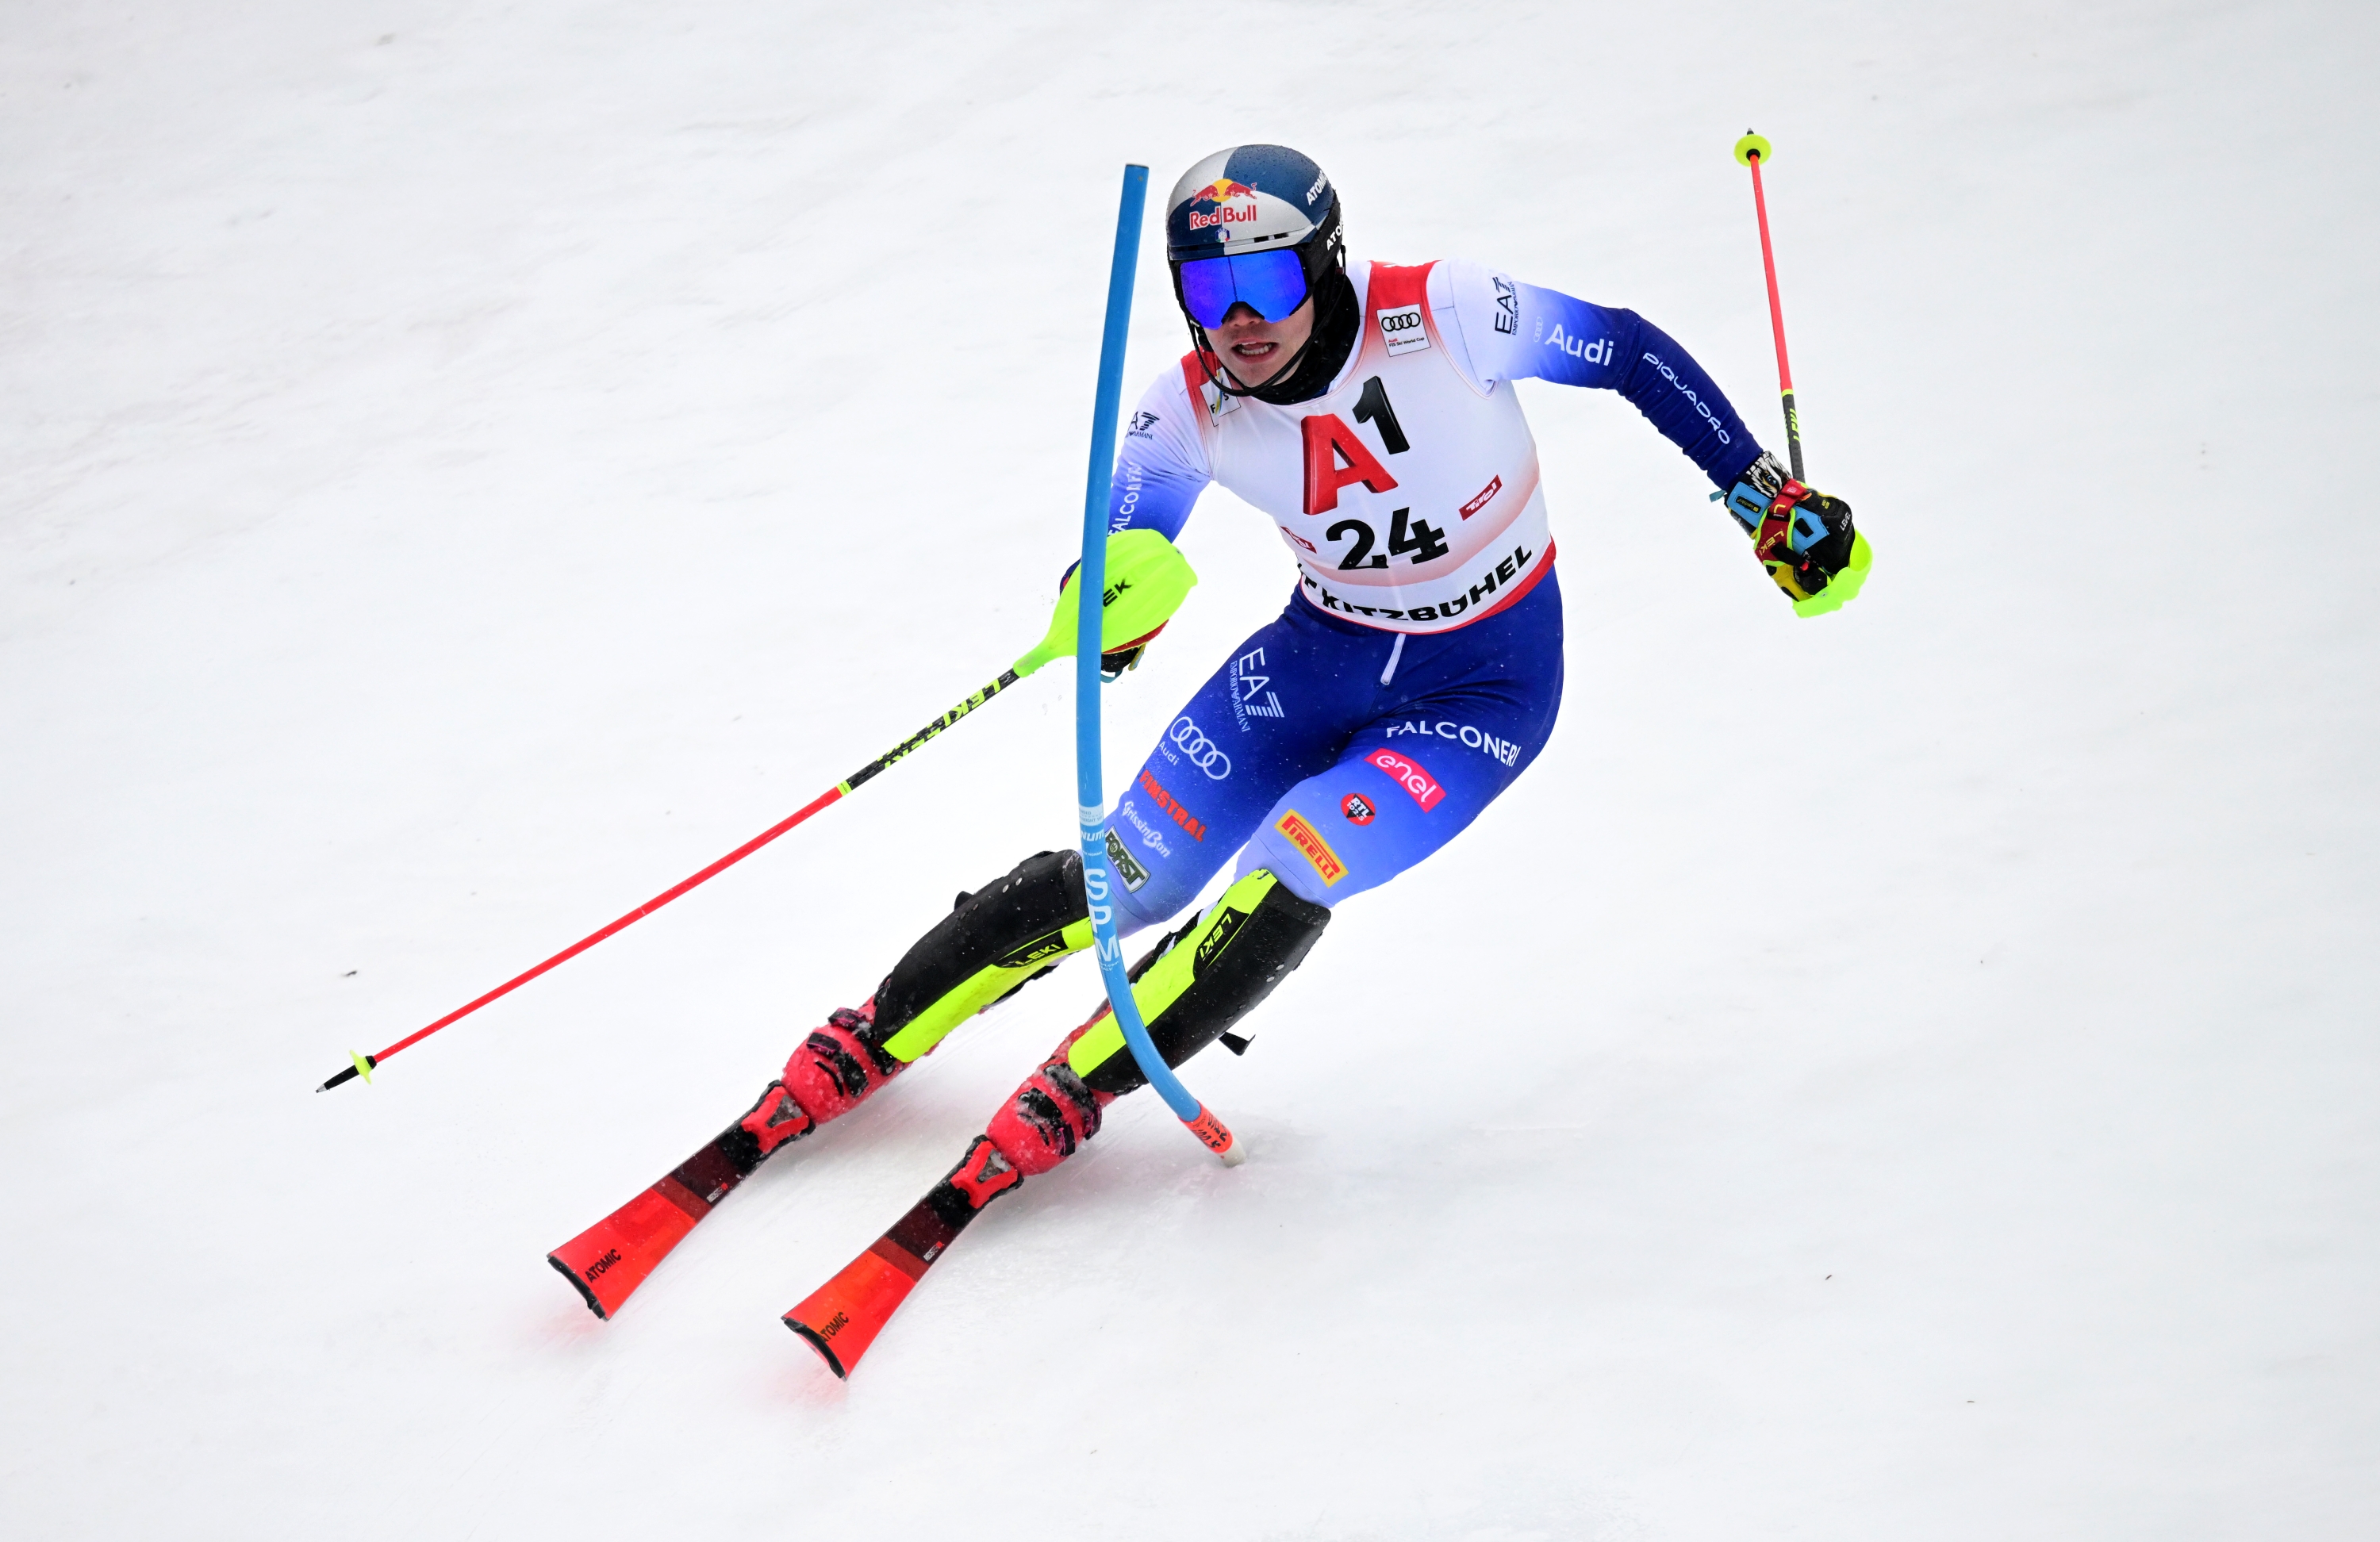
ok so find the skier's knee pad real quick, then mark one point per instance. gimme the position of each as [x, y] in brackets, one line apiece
[997, 939]
[1203, 978]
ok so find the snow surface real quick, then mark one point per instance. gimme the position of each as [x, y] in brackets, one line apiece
[1908, 1075]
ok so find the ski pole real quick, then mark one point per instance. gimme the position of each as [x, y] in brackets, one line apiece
[363, 1064]
[1090, 793]
[1751, 151]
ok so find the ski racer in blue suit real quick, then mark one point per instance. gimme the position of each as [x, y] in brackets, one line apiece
[1368, 410]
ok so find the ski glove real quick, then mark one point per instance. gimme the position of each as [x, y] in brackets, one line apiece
[1803, 537]
[1148, 578]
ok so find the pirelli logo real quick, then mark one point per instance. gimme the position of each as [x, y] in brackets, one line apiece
[1307, 839]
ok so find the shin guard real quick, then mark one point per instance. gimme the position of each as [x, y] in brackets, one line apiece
[997, 939]
[1203, 978]
[1193, 986]
[993, 941]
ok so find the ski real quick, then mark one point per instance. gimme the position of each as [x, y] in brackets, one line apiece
[842, 1317]
[611, 1258]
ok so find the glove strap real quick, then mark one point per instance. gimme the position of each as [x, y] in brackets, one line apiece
[1773, 541]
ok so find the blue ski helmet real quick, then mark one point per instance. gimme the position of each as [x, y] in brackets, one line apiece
[1255, 225]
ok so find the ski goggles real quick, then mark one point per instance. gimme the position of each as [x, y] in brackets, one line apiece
[1272, 282]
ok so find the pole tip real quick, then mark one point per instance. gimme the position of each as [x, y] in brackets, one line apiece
[1750, 147]
[362, 1067]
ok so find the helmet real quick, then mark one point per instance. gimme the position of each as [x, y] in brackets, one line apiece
[1243, 205]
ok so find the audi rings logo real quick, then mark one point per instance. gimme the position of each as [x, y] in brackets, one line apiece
[1402, 330]
[1199, 750]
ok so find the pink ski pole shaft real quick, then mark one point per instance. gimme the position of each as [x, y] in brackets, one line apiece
[362, 1066]
[1752, 149]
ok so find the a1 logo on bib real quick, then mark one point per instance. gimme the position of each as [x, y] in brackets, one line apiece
[1402, 329]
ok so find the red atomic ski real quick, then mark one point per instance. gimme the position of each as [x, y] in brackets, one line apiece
[842, 1317]
[611, 1258]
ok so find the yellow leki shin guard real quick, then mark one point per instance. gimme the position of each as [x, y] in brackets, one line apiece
[1191, 989]
[1203, 978]
[997, 939]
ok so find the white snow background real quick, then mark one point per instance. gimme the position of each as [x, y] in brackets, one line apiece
[1904, 1075]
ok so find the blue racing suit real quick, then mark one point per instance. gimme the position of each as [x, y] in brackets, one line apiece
[1418, 668]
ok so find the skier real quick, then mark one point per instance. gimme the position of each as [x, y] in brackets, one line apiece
[1369, 411]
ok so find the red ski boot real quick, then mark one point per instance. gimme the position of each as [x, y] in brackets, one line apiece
[1052, 1113]
[836, 1068]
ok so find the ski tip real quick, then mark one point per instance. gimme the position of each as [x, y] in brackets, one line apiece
[842, 1317]
[586, 1294]
[606, 1262]
[809, 1336]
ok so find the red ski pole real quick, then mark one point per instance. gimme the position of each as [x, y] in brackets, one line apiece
[1752, 149]
[363, 1064]
[1148, 580]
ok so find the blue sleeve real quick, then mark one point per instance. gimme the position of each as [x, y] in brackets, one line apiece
[1152, 492]
[1161, 467]
[1572, 343]
[1161, 462]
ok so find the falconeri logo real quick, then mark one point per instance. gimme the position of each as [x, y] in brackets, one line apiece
[1503, 751]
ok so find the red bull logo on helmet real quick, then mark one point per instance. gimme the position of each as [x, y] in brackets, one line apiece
[1229, 214]
[1235, 204]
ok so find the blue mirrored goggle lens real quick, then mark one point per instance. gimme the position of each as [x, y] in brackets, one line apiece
[1273, 283]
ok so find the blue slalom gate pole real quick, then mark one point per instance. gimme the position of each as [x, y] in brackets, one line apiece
[1090, 794]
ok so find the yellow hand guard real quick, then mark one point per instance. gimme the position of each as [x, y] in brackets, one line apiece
[1148, 580]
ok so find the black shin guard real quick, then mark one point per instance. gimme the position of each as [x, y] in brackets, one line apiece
[1203, 978]
[997, 939]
